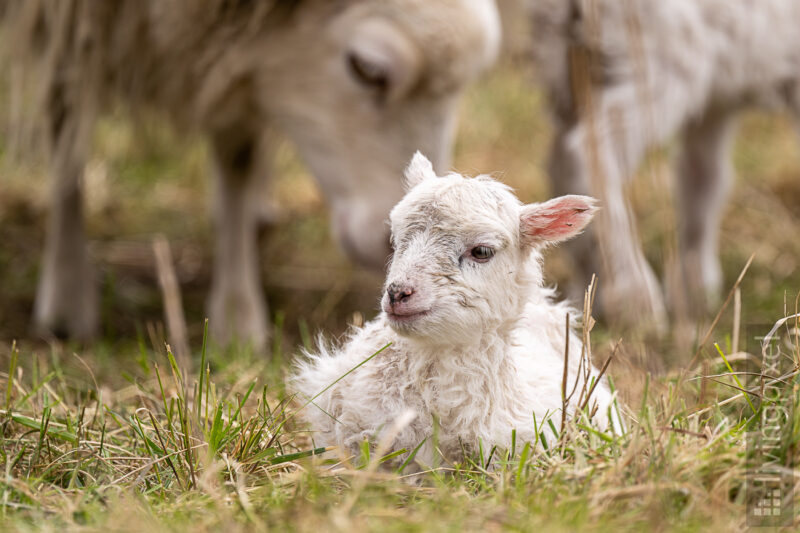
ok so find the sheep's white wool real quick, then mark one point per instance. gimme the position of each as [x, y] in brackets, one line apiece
[625, 76]
[356, 85]
[476, 343]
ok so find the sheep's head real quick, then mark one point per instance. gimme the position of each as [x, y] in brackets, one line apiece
[464, 256]
[359, 85]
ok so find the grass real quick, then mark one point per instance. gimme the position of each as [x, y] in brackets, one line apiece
[116, 436]
[222, 449]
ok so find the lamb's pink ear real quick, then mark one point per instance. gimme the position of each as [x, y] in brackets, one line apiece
[419, 169]
[556, 220]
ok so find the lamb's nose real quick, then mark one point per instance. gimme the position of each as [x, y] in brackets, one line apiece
[398, 293]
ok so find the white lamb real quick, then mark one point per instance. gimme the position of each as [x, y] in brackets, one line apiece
[475, 339]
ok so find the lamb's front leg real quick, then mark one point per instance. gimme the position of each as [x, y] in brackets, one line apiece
[704, 177]
[236, 306]
[66, 299]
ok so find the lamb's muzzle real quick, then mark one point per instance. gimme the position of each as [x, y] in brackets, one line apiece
[401, 306]
[398, 294]
[475, 339]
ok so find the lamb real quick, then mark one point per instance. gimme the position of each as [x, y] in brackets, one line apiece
[472, 336]
[357, 85]
[626, 76]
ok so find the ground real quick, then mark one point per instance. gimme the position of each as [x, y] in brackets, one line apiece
[96, 436]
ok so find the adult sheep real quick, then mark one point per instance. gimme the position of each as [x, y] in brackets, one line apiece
[357, 85]
[626, 76]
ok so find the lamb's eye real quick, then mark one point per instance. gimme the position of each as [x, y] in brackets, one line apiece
[481, 253]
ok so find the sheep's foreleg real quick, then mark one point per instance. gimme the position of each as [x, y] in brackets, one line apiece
[704, 177]
[596, 156]
[66, 299]
[236, 305]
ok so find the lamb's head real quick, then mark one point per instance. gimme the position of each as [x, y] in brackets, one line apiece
[465, 253]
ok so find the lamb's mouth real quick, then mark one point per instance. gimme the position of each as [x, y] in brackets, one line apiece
[404, 319]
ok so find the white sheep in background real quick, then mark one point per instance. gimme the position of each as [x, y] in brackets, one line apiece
[626, 76]
[356, 85]
[477, 341]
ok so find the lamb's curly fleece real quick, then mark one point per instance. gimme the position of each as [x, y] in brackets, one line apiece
[480, 368]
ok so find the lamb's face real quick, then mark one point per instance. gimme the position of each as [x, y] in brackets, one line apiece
[462, 250]
[456, 258]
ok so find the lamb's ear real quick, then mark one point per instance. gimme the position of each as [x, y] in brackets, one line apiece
[420, 168]
[555, 220]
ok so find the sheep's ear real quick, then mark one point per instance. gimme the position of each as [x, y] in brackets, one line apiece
[419, 169]
[556, 220]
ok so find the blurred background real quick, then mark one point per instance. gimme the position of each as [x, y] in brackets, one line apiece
[144, 179]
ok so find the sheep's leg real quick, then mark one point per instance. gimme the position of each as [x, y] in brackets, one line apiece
[236, 306]
[704, 177]
[794, 105]
[66, 299]
[269, 212]
[632, 293]
[590, 159]
[568, 176]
